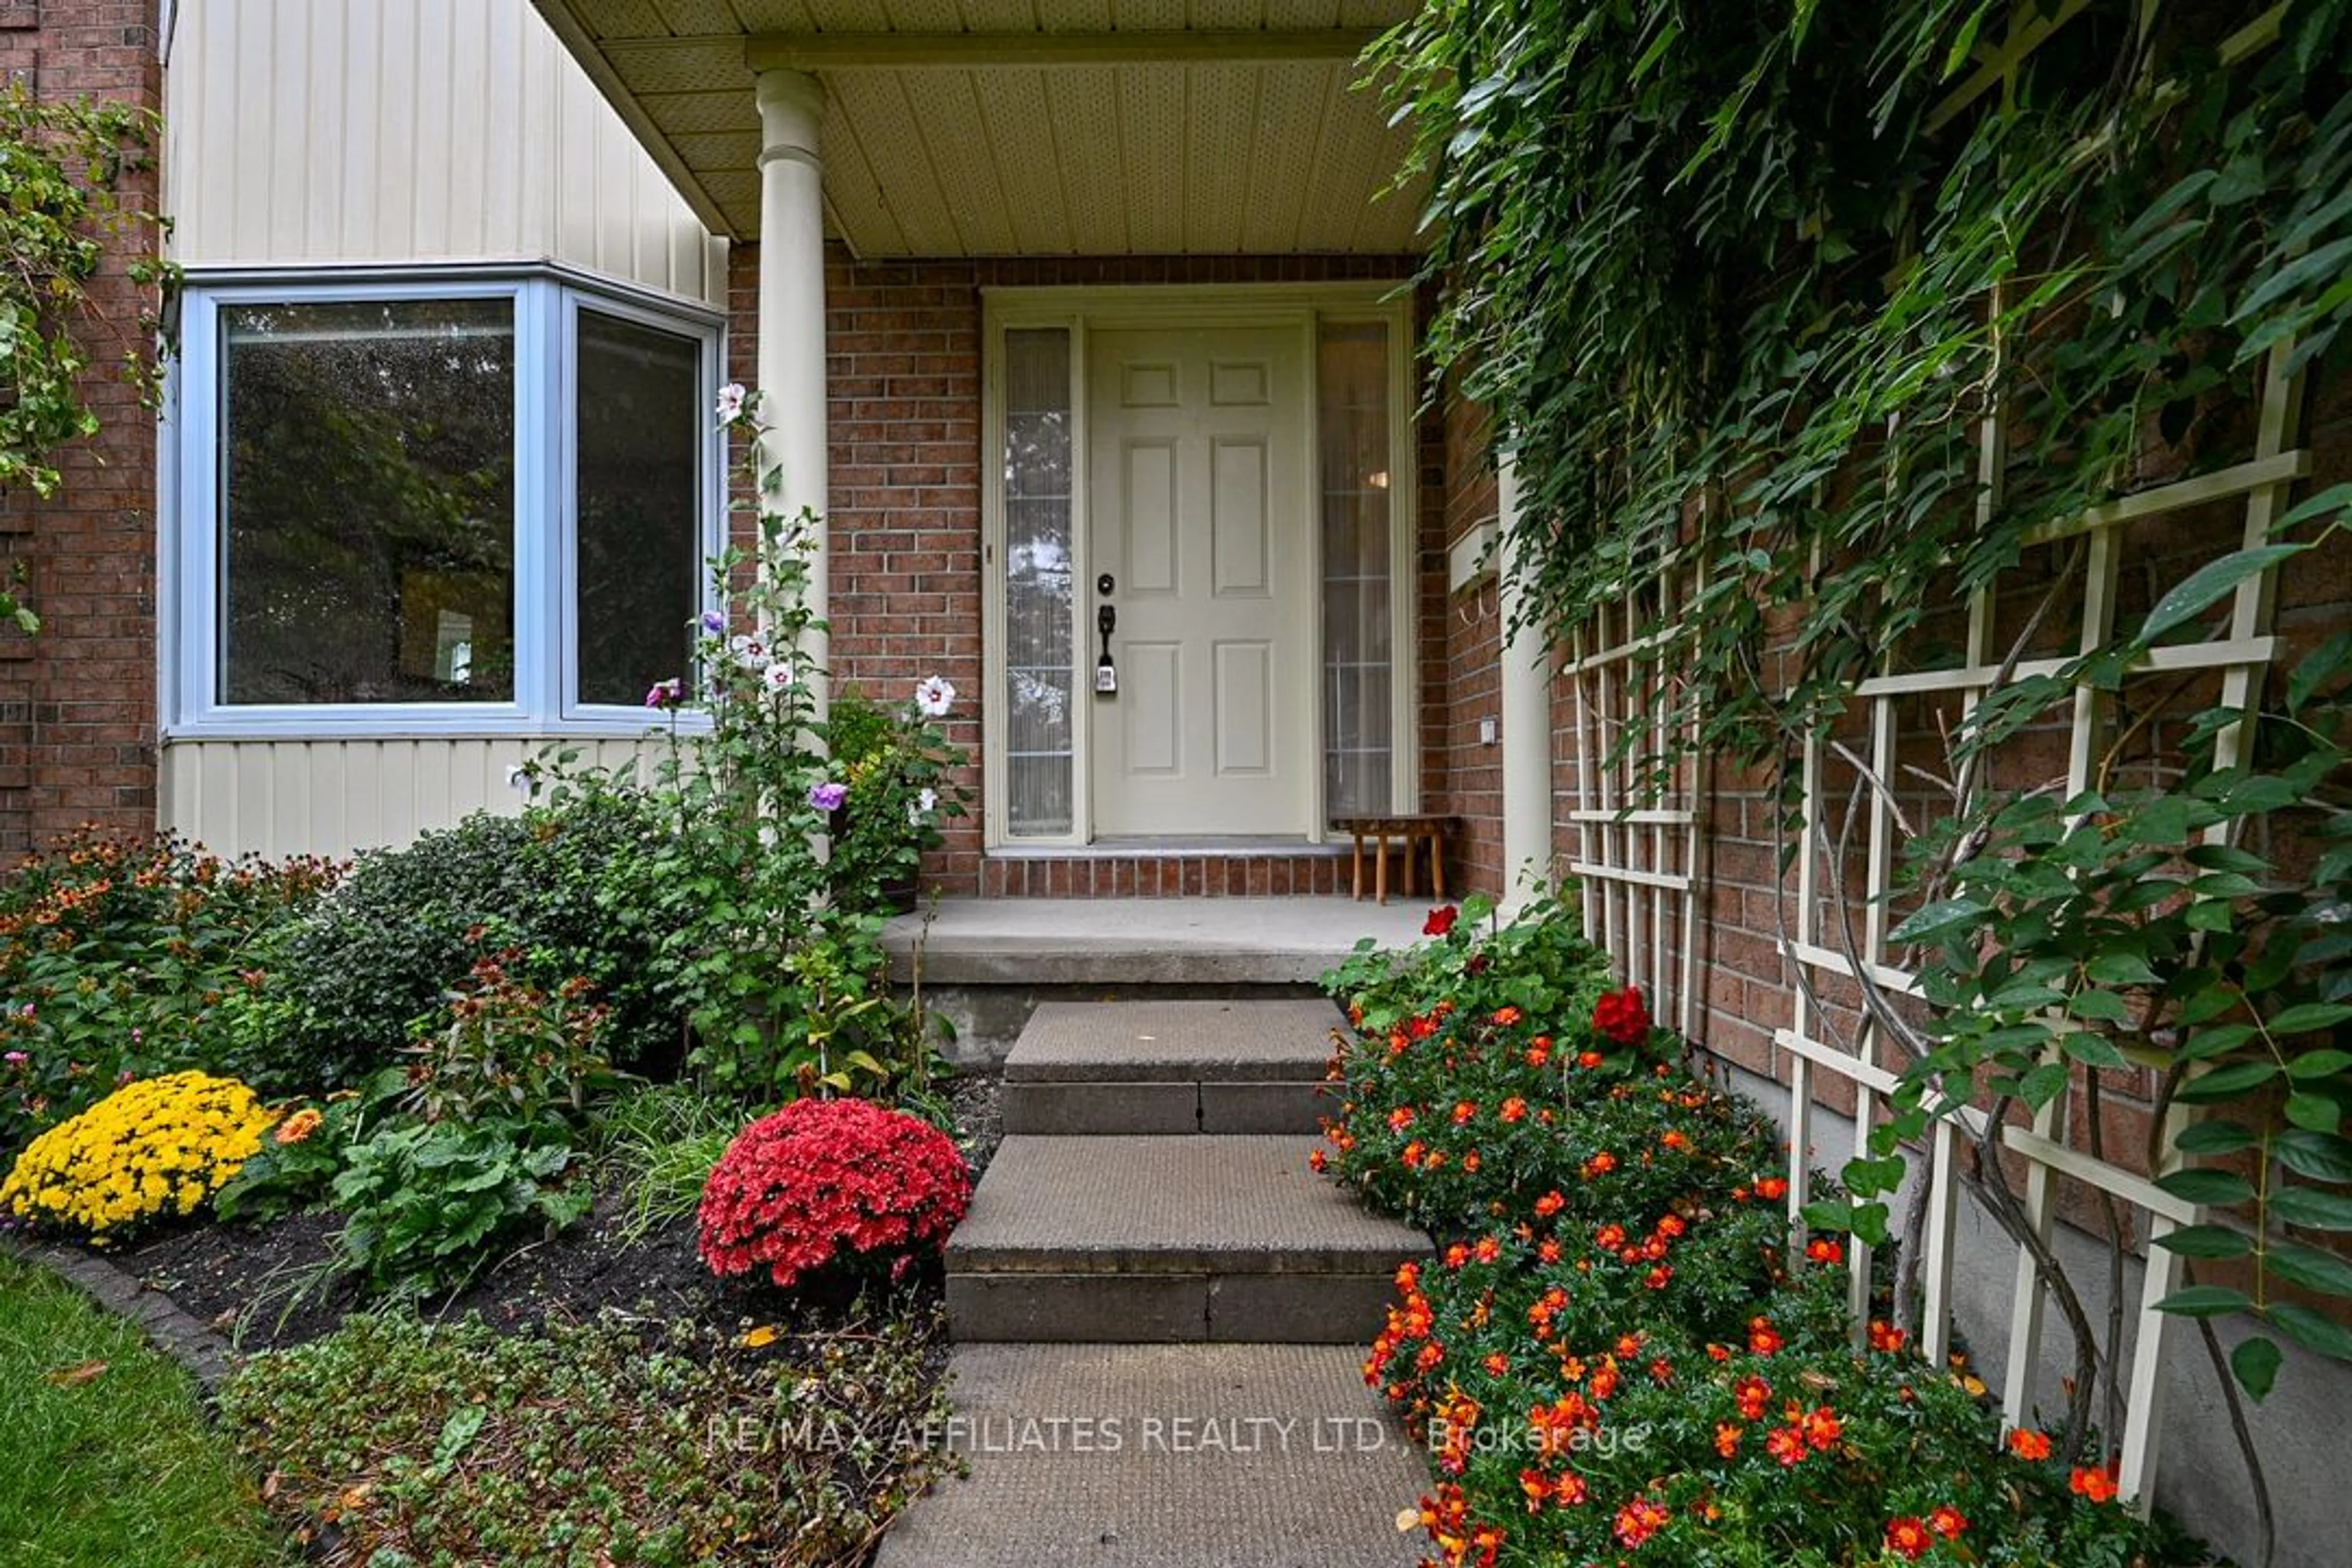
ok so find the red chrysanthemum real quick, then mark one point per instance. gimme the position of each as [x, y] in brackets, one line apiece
[1907, 1538]
[1440, 920]
[1621, 1018]
[825, 1179]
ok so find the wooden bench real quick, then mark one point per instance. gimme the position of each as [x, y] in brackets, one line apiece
[1412, 833]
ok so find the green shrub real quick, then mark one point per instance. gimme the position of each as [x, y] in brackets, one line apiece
[128, 957]
[371, 966]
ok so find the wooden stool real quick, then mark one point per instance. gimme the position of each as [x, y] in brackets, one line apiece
[1413, 832]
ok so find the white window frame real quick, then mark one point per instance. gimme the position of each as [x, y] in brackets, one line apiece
[547, 301]
[1076, 308]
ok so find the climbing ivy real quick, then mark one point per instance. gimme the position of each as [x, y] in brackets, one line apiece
[66, 205]
[1742, 283]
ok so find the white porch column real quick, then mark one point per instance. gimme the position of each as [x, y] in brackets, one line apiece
[1526, 720]
[791, 367]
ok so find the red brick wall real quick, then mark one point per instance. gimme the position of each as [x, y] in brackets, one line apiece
[904, 367]
[1747, 990]
[77, 702]
[1469, 623]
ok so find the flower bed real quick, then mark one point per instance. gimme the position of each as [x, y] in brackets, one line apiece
[1616, 1356]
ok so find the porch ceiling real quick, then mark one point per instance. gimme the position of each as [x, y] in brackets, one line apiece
[1025, 127]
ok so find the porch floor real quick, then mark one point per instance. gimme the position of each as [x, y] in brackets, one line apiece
[1143, 941]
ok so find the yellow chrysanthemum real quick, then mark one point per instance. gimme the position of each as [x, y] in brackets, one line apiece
[155, 1146]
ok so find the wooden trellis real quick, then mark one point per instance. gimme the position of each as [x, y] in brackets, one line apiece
[1637, 831]
[2241, 657]
[1637, 848]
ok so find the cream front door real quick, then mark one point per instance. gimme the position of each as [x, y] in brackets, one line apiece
[1199, 506]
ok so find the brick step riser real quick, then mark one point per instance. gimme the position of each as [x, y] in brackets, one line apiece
[1168, 1309]
[1110, 1109]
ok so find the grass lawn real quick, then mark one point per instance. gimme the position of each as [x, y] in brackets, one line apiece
[111, 1468]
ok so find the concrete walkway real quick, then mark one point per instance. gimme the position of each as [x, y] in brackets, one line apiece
[1161, 1313]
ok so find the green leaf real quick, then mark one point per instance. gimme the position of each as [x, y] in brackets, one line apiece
[2043, 1084]
[2321, 1156]
[457, 1433]
[2309, 1330]
[2207, 1241]
[2306, 1016]
[2205, 1301]
[2120, 969]
[1825, 1214]
[2223, 1082]
[2318, 1064]
[2213, 1138]
[2313, 1268]
[2209, 1042]
[1939, 918]
[2311, 1209]
[2093, 1051]
[2199, 1184]
[2314, 1112]
[2255, 1363]
[2201, 588]
[2099, 1006]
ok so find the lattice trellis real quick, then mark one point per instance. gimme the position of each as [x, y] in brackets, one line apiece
[1637, 831]
[2241, 658]
[1637, 841]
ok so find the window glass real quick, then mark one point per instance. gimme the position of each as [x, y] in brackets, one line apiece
[1358, 662]
[1037, 583]
[367, 520]
[642, 426]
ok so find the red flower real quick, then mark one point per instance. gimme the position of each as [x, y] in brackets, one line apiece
[1620, 1016]
[1440, 920]
[823, 1179]
[2098, 1485]
[1540, 1050]
[1822, 1249]
[1885, 1336]
[1726, 1438]
[1318, 1161]
[1822, 1427]
[1751, 1393]
[2028, 1444]
[1672, 1225]
[1550, 1203]
[1514, 1109]
[1506, 1016]
[1772, 1188]
[1762, 1338]
[1786, 1443]
[1639, 1519]
[1463, 1112]
[1907, 1538]
[1947, 1521]
[1587, 1058]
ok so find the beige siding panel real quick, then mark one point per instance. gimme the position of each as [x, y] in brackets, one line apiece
[325, 132]
[338, 798]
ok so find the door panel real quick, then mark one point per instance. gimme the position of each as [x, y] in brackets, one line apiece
[1199, 511]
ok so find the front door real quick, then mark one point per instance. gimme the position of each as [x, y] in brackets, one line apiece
[1200, 504]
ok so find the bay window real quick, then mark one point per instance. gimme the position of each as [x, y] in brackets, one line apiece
[478, 504]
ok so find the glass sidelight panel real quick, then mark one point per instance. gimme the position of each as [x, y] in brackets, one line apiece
[1038, 657]
[1359, 658]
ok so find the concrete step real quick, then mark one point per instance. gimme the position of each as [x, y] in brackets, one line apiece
[1165, 1456]
[1148, 1239]
[1167, 1066]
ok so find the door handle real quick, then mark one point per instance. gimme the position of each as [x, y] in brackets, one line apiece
[1105, 672]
